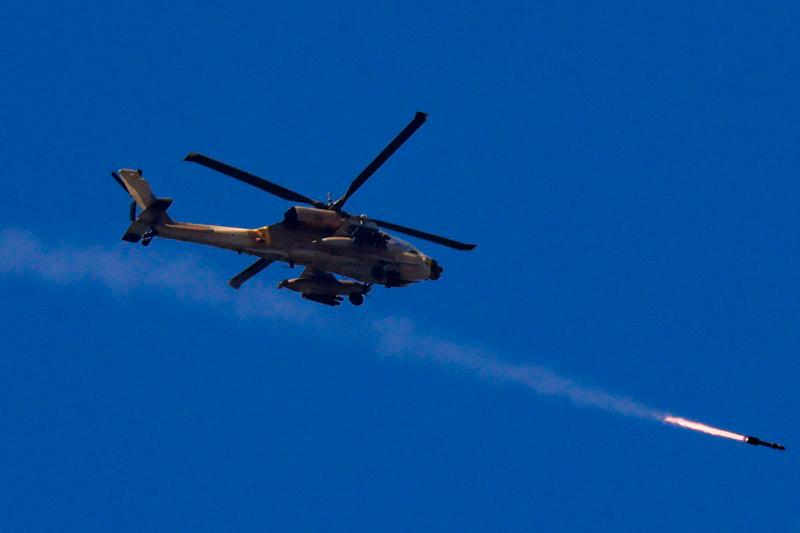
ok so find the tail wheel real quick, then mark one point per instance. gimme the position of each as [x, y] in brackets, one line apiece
[148, 237]
[356, 298]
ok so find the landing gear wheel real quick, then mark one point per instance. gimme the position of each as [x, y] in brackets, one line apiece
[356, 298]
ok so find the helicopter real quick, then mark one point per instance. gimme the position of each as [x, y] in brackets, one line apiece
[323, 237]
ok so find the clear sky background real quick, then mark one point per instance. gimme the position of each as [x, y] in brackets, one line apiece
[629, 171]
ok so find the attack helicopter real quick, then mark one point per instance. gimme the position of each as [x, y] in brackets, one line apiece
[323, 237]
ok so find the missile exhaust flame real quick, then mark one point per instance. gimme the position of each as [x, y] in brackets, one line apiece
[697, 426]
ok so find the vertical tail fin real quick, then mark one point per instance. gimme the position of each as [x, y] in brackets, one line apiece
[133, 182]
[154, 209]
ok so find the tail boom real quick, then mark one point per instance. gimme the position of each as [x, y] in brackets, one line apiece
[237, 239]
[154, 221]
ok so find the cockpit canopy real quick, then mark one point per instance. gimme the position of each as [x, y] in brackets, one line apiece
[403, 245]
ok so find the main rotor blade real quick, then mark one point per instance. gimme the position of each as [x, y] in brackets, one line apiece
[381, 158]
[237, 280]
[250, 179]
[424, 235]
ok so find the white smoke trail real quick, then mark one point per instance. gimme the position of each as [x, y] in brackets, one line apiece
[123, 271]
[398, 337]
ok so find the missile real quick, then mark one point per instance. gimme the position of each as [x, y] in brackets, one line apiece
[324, 285]
[755, 441]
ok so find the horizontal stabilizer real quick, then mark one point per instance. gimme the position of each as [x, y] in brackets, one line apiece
[237, 280]
[135, 231]
[155, 214]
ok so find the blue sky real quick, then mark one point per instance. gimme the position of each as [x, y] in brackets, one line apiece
[629, 171]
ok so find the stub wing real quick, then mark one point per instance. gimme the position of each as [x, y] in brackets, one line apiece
[321, 275]
[320, 280]
[323, 287]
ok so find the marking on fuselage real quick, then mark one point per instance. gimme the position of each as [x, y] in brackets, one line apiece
[263, 235]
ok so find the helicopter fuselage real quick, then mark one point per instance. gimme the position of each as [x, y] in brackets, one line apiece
[389, 261]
